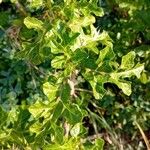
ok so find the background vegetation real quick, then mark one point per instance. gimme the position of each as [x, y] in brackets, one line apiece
[75, 74]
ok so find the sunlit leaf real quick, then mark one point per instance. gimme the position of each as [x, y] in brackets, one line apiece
[128, 61]
[123, 85]
[58, 134]
[35, 3]
[41, 109]
[50, 90]
[70, 144]
[75, 130]
[136, 71]
[58, 62]
[33, 23]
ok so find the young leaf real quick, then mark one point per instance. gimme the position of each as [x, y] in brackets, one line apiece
[128, 61]
[59, 133]
[50, 91]
[33, 23]
[36, 127]
[70, 144]
[99, 144]
[58, 62]
[75, 130]
[36, 3]
[136, 71]
[40, 109]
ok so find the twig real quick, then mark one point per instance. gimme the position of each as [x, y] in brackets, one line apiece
[83, 90]
[143, 135]
[36, 68]
[91, 138]
[21, 8]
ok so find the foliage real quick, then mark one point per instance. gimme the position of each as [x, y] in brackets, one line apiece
[127, 24]
[59, 72]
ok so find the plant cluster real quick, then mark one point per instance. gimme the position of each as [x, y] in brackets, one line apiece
[72, 71]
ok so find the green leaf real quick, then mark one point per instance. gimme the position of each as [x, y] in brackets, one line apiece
[77, 23]
[58, 62]
[79, 55]
[116, 77]
[4, 18]
[98, 144]
[58, 134]
[97, 94]
[136, 71]
[56, 47]
[36, 127]
[68, 12]
[105, 66]
[89, 63]
[66, 36]
[39, 138]
[23, 117]
[144, 78]
[91, 40]
[106, 54]
[45, 51]
[3, 116]
[128, 61]
[65, 93]
[57, 112]
[33, 23]
[73, 113]
[41, 109]
[92, 7]
[97, 86]
[36, 3]
[33, 55]
[50, 91]
[123, 85]
[70, 144]
[17, 137]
